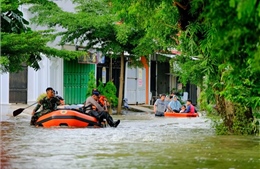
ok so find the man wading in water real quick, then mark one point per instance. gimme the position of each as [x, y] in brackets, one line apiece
[160, 106]
[93, 108]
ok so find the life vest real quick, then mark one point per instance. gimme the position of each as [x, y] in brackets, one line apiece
[102, 100]
[192, 109]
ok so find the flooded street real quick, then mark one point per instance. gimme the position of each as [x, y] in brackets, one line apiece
[140, 141]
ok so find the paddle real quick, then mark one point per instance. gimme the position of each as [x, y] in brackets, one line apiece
[20, 110]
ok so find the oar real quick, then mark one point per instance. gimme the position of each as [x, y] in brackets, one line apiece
[20, 110]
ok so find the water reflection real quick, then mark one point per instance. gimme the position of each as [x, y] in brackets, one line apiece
[140, 141]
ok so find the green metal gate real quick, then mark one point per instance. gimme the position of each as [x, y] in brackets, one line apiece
[75, 81]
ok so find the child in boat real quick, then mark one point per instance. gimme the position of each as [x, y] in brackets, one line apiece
[190, 107]
[183, 108]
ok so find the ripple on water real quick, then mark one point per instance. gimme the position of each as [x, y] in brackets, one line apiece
[146, 143]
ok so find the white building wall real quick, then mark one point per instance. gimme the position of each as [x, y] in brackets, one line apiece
[135, 83]
[50, 75]
[4, 88]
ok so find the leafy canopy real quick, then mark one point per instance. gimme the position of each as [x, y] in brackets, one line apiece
[219, 42]
[20, 46]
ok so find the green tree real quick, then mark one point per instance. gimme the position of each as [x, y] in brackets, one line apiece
[20, 46]
[94, 24]
[224, 41]
[219, 41]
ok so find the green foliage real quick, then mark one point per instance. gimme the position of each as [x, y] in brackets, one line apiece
[256, 121]
[92, 22]
[91, 83]
[156, 18]
[221, 128]
[109, 91]
[219, 41]
[205, 104]
[20, 46]
[225, 46]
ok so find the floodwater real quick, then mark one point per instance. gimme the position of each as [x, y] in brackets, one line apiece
[140, 141]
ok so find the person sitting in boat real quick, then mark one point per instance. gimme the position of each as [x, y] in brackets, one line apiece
[174, 105]
[49, 103]
[93, 108]
[183, 108]
[102, 100]
[62, 101]
[160, 106]
[190, 107]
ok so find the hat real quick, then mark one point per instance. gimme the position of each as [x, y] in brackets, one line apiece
[95, 92]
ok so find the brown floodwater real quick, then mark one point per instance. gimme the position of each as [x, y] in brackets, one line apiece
[140, 141]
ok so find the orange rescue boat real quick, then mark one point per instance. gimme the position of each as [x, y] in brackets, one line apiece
[70, 118]
[172, 114]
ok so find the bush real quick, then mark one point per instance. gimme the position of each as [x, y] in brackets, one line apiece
[91, 83]
[109, 91]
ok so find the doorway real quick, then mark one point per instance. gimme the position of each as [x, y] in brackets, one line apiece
[18, 86]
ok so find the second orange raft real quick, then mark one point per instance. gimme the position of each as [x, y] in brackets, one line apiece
[171, 114]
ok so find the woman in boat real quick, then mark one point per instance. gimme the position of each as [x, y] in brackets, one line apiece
[174, 105]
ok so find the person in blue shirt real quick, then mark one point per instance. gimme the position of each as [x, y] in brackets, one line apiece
[174, 105]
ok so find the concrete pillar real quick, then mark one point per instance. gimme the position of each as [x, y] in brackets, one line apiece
[4, 88]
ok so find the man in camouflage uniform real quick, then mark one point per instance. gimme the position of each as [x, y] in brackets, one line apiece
[48, 103]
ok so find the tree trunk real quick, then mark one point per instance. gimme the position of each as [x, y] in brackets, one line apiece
[230, 114]
[121, 85]
[110, 69]
[226, 110]
[220, 105]
[235, 116]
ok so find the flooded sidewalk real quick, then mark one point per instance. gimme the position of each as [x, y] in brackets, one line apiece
[140, 141]
[6, 110]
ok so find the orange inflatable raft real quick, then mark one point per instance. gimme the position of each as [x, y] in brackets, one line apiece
[171, 114]
[70, 118]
